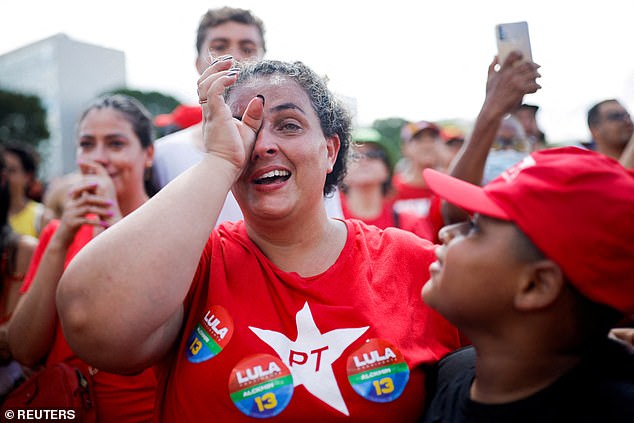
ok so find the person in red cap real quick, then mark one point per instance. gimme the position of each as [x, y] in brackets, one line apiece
[536, 279]
[421, 147]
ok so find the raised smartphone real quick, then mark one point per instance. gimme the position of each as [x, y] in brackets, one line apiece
[513, 36]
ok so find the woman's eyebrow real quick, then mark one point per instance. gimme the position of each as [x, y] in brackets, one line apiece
[281, 108]
[287, 106]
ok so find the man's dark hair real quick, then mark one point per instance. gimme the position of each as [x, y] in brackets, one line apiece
[215, 17]
[593, 113]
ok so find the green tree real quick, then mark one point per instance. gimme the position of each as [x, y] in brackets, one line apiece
[157, 103]
[22, 118]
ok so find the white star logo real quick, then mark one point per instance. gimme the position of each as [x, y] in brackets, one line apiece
[310, 357]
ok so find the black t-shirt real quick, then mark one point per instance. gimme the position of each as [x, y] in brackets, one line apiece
[600, 389]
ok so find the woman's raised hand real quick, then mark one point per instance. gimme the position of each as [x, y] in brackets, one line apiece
[92, 201]
[224, 135]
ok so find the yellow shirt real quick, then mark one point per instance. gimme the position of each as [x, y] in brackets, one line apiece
[27, 221]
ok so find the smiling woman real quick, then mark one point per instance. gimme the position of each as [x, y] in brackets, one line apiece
[114, 147]
[288, 314]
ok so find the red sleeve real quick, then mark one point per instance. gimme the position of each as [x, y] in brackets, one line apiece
[45, 238]
[420, 226]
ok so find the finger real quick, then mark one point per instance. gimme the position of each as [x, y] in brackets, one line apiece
[223, 63]
[215, 93]
[513, 57]
[93, 200]
[218, 64]
[79, 189]
[492, 66]
[99, 212]
[527, 68]
[82, 206]
[253, 113]
[92, 221]
[89, 167]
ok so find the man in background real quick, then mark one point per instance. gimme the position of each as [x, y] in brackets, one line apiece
[223, 31]
[611, 128]
[526, 114]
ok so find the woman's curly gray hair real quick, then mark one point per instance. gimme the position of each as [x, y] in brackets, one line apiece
[334, 118]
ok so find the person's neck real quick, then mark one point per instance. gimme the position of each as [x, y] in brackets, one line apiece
[610, 150]
[506, 373]
[365, 202]
[131, 202]
[17, 203]
[307, 246]
[413, 175]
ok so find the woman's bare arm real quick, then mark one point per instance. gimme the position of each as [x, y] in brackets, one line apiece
[120, 300]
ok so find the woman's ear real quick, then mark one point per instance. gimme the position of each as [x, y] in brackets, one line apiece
[149, 156]
[333, 144]
[541, 285]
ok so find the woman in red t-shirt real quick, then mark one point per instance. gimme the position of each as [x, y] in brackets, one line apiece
[114, 152]
[367, 193]
[288, 314]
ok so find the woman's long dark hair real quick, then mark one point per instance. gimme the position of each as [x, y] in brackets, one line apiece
[5, 229]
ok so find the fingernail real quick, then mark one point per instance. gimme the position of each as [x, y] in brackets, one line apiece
[104, 223]
[261, 97]
[227, 57]
[232, 73]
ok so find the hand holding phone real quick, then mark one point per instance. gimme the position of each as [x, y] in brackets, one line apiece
[513, 36]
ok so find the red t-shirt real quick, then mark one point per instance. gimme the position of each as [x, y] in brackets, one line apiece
[420, 201]
[390, 218]
[350, 344]
[128, 399]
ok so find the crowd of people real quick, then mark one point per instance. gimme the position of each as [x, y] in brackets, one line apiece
[269, 260]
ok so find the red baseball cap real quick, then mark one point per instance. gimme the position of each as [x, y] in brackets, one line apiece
[576, 205]
[410, 130]
[182, 116]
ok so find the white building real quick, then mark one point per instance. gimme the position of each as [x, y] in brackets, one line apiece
[66, 75]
